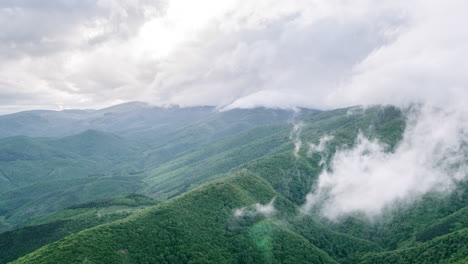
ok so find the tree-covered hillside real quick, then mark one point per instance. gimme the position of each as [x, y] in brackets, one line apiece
[230, 189]
[228, 222]
[199, 227]
[53, 227]
[43, 175]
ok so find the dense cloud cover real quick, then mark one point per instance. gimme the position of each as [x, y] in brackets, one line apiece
[235, 53]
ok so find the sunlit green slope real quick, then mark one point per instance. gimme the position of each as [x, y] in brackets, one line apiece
[198, 227]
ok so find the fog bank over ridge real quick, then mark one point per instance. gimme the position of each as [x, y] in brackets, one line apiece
[233, 54]
[369, 179]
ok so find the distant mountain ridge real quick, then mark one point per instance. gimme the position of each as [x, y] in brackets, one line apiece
[125, 118]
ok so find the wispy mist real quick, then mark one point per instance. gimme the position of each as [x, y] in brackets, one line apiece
[320, 148]
[263, 209]
[295, 136]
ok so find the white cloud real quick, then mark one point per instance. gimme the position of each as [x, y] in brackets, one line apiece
[367, 178]
[263, 209]
[300, 53]
[424, 63]
[71, 54]
[283, 57]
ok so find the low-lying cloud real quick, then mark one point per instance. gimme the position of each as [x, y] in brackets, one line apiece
[432, 156]
[257, 209]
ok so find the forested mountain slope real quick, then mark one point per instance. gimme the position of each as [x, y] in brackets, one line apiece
[199, 227]
[43, 175]
[53, 227]
[236, 197]
[229, 221]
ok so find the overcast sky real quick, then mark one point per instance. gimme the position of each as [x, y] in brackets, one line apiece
[60, 54]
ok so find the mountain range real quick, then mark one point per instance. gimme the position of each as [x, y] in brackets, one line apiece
[134, 183]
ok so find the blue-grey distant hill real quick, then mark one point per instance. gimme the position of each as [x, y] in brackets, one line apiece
[134, 119]
[127, 119]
